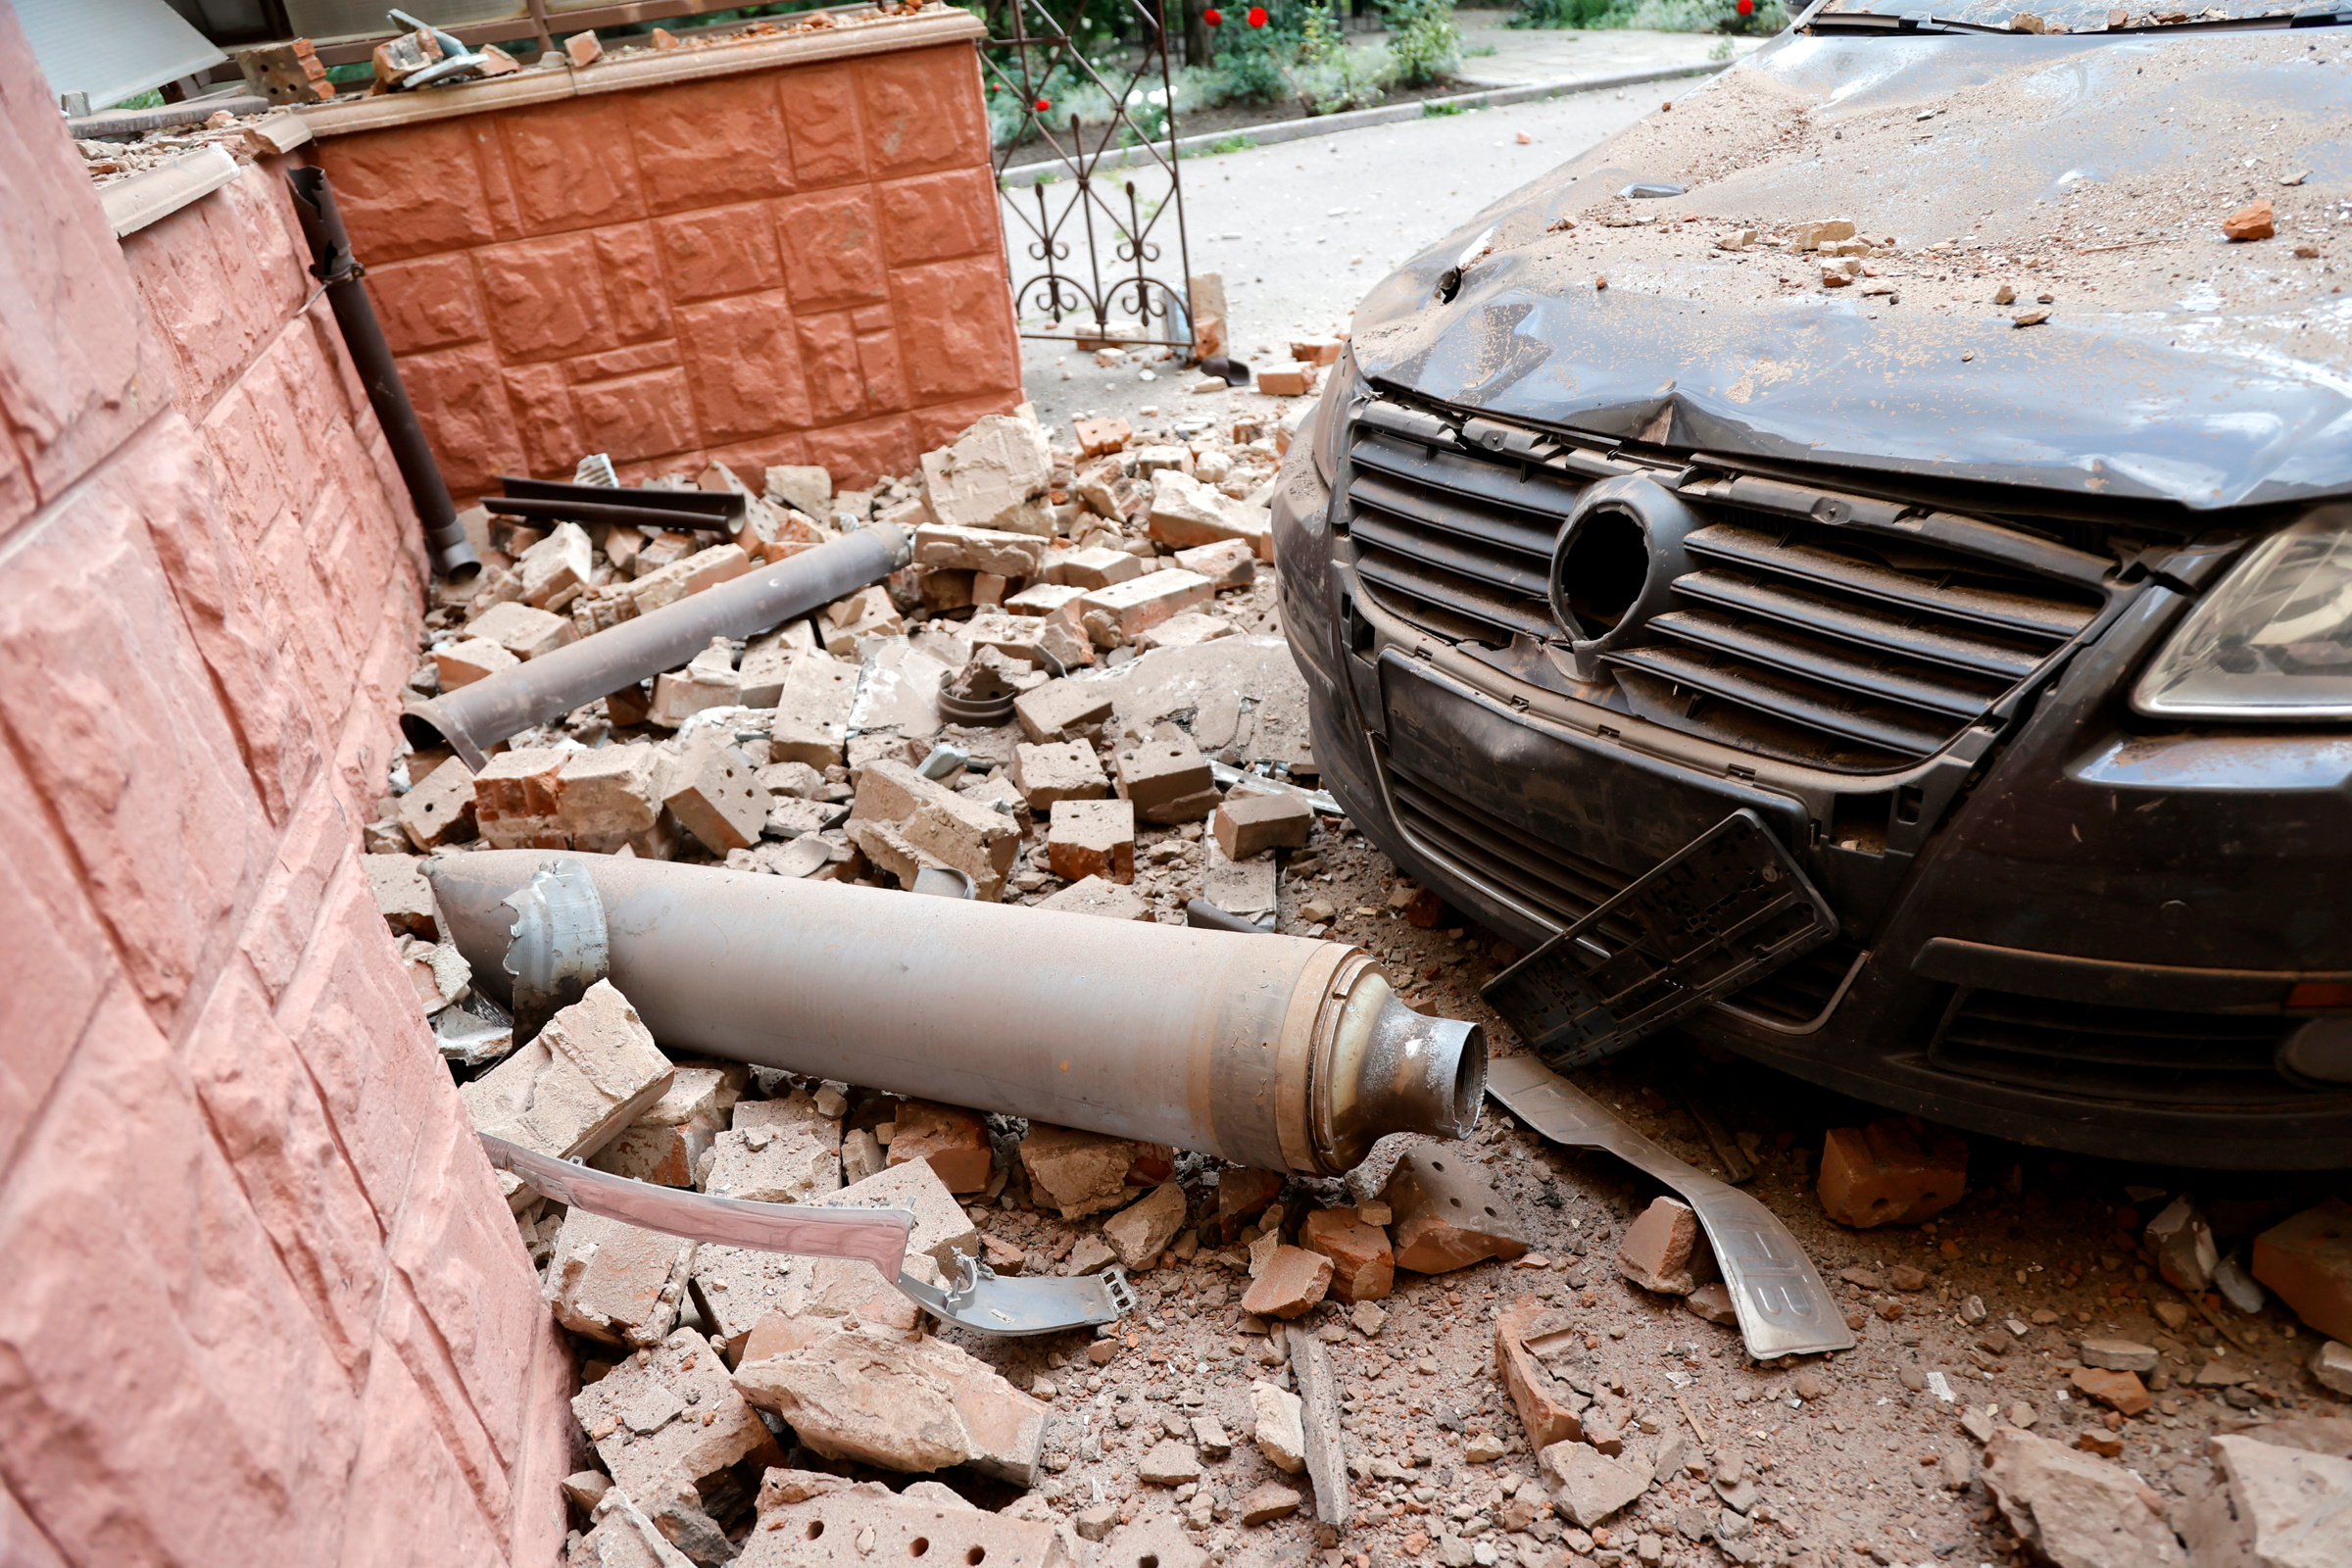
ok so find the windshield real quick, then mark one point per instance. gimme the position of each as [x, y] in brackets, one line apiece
[2061, 15]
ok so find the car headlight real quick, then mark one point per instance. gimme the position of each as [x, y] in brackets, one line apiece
[2271, 641]
[1327, 427]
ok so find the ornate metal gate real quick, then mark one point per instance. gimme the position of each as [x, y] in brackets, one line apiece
[1086, 249]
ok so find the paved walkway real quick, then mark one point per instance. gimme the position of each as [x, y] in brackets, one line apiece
[1302, 230]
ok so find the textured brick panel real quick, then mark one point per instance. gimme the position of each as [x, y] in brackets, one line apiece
[938, 216]
[921, 111]
[541, 397]
[955, 320]
[67, 399]
[635, 291]
[744, 364]
[463, 409]
[414, 194]
[429, 303]
[49, 930]
[651, 414]
[885, 372]
[832, 249]
[761, 455]
[864, 451]
[409, 1503]
[939, 423]
[164, 1397]
[544, 298]
[456, 1428]
[828, 143]
[724, 250]
[569, 166]
[836, 379]
[705, 143]
[214, 301]
[112, 709]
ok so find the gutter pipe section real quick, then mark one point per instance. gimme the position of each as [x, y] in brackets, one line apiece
[477, 716]
[334, 265]
[1270, 1051]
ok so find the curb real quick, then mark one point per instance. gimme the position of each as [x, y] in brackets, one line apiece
[1283, 130]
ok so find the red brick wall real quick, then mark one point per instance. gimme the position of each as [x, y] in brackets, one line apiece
[794, 265]
[260, 1301]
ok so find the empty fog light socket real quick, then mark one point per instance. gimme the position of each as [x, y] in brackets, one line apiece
[1614, 565]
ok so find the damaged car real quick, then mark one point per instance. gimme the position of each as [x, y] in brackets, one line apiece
[1859, 566]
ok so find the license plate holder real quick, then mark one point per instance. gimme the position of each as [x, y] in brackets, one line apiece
[1713, 917]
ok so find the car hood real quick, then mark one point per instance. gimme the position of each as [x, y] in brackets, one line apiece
[2174, 364]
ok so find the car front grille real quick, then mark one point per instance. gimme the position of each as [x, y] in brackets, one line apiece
[1836, 646]
[1564, 885]
[2103, 1051]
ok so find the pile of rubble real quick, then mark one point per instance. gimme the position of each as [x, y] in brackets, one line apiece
[1475, 1353]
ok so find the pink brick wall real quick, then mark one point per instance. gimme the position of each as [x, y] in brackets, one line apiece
[794, 265]
[260, 1301]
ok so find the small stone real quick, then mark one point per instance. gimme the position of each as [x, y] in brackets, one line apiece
[1367, 1318]
[1279, 1426]
[1713, 1302]
[1904, 1277]
[2118, 1355]
[1266, 1502]
[1589, 1485]
[2254, 221]
[1091, 1255]
[1141, 1231]
[1664, 1249]
[1292, 1281]
[1363, 1265]
[2331, 1364]
[1808, 1385]
[2119, 1391]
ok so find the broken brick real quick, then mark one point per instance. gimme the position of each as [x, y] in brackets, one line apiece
[1364, 1266]
[610, 797]
[1279, 1427]
[991, 549]
[1293, 1280]
[906, 822]
[1664, 1249]
[1063, 709]
[461, 663]
[1525, 1331]
[1892, 1172]
[1243, 1194]
[404, 899]
[1142, 1231]
[1186, 512]
[1130, 607]
[991, 476]
[1062, 770]
[709, 680]
[1092, 838]
[714, 795]
[1447, 1218]
[614, 1283]
[1095, 568]
[1289, 381]
[521, 630]
[920, 1406]
[2122, 1391]
[1248, 825]
[2254, 221]
[952, 1141]
[675, 1413]
[1226, 564]
[1168, 781]
[1107, 901]
[1079, 1173]
[942, 1229]
[776, 1152]
[515, 799]
[1100, 438]
[587, 1075]
[2308, 1260]
[557, 569]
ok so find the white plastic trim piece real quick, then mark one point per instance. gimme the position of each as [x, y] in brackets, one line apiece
[146, 198]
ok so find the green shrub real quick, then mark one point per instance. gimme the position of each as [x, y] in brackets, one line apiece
[1423, 40]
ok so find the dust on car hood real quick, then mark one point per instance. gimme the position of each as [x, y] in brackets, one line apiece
[2096, 169]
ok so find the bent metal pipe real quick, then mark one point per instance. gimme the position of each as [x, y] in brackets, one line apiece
[1270, 1051]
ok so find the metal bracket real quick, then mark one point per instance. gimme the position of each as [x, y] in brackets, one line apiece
[981, 1301]
[1784, 1308]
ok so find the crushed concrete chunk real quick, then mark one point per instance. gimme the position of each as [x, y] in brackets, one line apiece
[776, 1152]
[591, 1072]
[1447, 1218]
[1279, 1426]
[920, 1406]
[942, 1228]
[403, 897]
[714, 1429]
[2071, 1507]
[615, 1283]
[827, 1514]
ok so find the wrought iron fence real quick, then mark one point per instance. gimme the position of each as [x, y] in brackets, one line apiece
[1085, 248]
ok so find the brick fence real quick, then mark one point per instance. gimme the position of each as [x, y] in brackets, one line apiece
[777, 251]
[261, 1301]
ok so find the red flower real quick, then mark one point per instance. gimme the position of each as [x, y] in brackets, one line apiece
[1043, 104]
[1746, 8]
[1257, 16]
[1214, 16]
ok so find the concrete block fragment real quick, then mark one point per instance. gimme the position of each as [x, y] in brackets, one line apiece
[1171, 1462]
[2122, 1391]
[1226, 564]
[952, 1141]
[1100, 438]
[2118, 1355]
[992, 476]
[1057, 771]
[1096, 566]
[591, 1072]
[1291, 379]
[776, 1152]
[847, 622]
[1447, 1218]
[713, 794]
[1039, 640]
[990, 550]
[1665, 1251]
[2308, 1260]
[1892, 1172]
[676, 1414]
[1243, 1194]
[439, 810]
[1091, 838]
[919, 1406]
[521, 630]
[1063, 709]
[1278, 1426]
[700, 1091]
[1317, 350]
[1168, 781]
[610, 797]
[462, 663]
[942, 1229]
[813, 711]
[1132, 607]
[515, 799]
[709, 680]
[1588, 1486]
[2332, 1365]
[557, 569]
[1525, 1331]
[1142, 1231]
[1363, 1265]
[899, 694]
[804, 488]
[614, 1283]
[1248, 825]
[1186, 513]
[704, 568]
[760, 676]
[1188, 630]
[904, 823]
[1096, 896]
[658, 1152]
[1266, 1502]
[1244, 888]
[439, 973]
[403, 897]
[1080, 1173]
[1293, 1280]
[1045, 599]
[2070, 1508]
